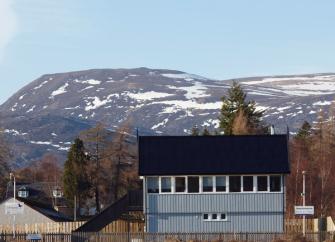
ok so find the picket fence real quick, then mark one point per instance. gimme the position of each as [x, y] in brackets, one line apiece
[119, 226]
[61, 227]
[173, 237]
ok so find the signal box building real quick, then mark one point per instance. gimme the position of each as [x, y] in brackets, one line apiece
[214, 183]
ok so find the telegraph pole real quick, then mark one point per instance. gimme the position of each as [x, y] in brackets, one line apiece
[11, 175]
[303, 202]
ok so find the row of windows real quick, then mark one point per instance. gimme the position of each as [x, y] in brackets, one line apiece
[207, 184]
[214, 217]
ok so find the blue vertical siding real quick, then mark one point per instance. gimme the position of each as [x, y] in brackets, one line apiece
[246, 212]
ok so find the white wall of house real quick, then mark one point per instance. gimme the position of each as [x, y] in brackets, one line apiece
[29, 216]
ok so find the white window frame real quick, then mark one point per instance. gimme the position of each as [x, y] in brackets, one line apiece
[227, 183]
[147, 187]
[160, 185]
[218, 217]
[199, 177]
[174, 187]
[253, 184]
[267, 181]
[240, 184]
[281, 183]
[201, 185]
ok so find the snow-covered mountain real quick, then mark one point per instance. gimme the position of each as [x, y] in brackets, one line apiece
[48, 113]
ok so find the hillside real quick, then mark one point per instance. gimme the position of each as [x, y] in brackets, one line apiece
[48, 113]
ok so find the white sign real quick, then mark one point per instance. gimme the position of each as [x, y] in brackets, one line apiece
[14, 208]
[304, 210]
[34, 237]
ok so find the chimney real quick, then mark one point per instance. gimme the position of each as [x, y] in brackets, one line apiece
[272, 129]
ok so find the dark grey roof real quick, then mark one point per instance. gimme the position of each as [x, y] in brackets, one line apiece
[187, 155]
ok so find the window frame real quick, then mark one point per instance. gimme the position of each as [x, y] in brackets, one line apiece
[240, 176]
[226, 183]
[174, 185]
[267, 184]
[253, 184]
[147, 187]
[218, 217]
[201, 183]
[160, 185]
[281, 183]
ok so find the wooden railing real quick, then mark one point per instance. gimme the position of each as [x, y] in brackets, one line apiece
[65, 227]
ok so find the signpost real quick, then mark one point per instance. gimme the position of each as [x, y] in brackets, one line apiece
[304, 210]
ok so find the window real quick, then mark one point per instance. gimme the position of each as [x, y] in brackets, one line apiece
[207, 184]
[248, 183]
[205, 216]
[222, 216]
[214, 216]
[234, 184]
[275, 183]
[262, 183]
[153, 186]
[220, 183]
[180, 184]
[193, 184]
[166, 184]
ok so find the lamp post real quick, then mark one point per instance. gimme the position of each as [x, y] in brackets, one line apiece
[11, 176]
[303, 202]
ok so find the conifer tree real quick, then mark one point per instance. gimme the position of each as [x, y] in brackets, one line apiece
[304, 131]
[206, 132]
[195, 131]
[234, 102]
[75, 180]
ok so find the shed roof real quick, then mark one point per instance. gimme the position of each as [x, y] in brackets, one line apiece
[200, 155]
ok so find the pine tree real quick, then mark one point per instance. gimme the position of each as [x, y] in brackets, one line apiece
[305, 130]
[75, 180]
[234, 102]
[195, 131]
[206, 132]
[95, 142]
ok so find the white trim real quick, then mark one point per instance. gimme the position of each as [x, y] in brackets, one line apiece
[255, 185]
[218, 217]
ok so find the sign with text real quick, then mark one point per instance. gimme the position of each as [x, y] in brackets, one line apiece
[304, 210]
[14, 208]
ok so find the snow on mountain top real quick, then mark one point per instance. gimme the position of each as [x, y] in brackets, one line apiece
[143, 96]
[282, 79]
[185, 76]
[89, 81]
[60, 90]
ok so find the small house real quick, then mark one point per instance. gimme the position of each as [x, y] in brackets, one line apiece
[207, 184]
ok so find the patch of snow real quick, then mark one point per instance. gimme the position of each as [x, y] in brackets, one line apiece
[21, 97]
[160, 124]
[144, 96]
[97, 103]
[185, 76]
[88, 87]
[260, 108]
[31, 109]
[60, 90]
[198, 90]
[189, 104]
[71, 108]
[14, 132]
[281, 109]
[53, 134]
[322, 103]
[41, 85]
[281, 79]
[312, 112]
[89, 81]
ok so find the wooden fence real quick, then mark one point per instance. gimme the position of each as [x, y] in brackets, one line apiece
[295, 225]
[172, 237]
[64, 227]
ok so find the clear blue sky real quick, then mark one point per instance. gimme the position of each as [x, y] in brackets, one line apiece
[214, 38]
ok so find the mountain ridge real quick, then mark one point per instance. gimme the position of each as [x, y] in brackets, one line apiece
[46, 114]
